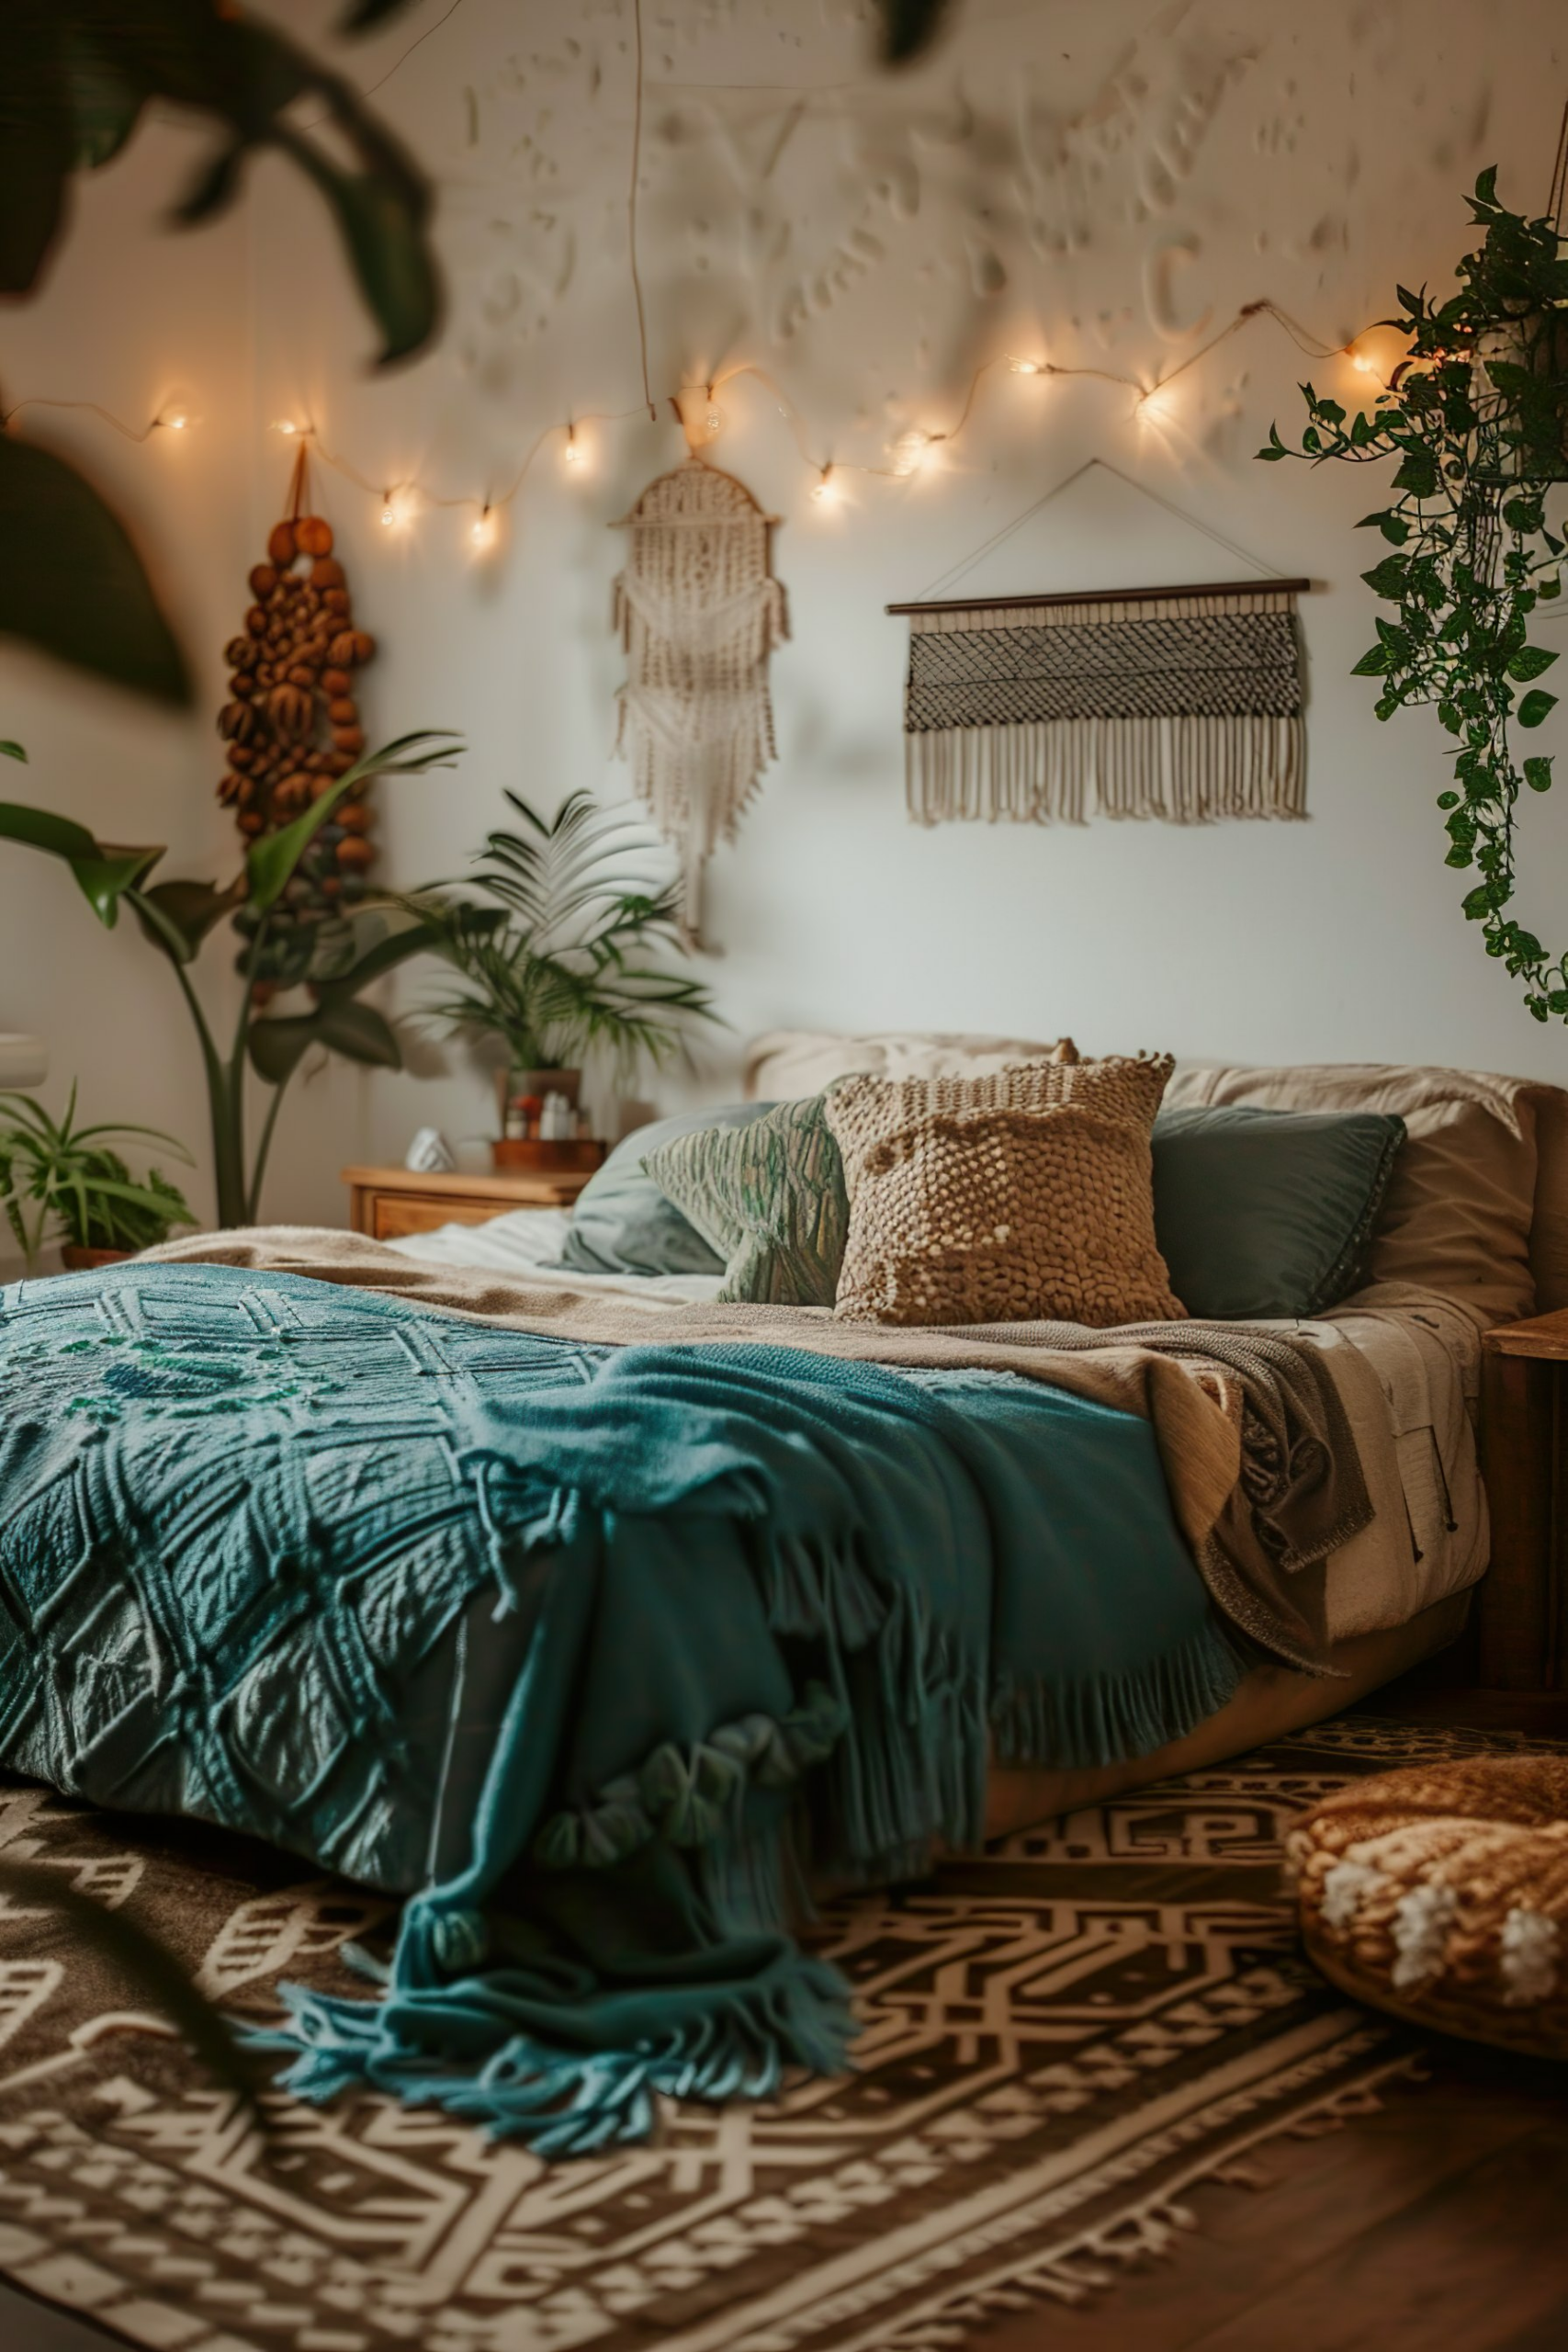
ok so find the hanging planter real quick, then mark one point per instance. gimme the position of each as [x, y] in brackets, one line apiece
[1477, 417]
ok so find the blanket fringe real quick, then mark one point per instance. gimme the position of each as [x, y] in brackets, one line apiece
[1072, 1724]
[563, 2102]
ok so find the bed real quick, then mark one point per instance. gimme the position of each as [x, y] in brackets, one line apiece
[567, 1960]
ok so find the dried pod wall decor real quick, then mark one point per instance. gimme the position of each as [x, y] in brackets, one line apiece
[291, 724]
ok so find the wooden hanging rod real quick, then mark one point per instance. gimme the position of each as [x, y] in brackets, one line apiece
[1105, 596]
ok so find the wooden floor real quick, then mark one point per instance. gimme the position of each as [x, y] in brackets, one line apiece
[1437, 2224]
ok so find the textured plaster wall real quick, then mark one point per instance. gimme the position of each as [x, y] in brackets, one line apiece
[1104, 187]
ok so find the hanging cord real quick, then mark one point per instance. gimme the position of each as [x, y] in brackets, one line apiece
[1555, 201]
[298, 483]
[631, 217]
[1103, 465]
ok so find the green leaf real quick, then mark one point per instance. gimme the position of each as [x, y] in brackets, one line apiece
[1538, 775]
[1530, 661]
[12, 752]
[356, 1031]
[103, 875]
[177, 916]
[80, 591]
[147, 1966]
[270, 862]
[1388, 578]
[36, 145]
[1534, 706]
[1374, 663]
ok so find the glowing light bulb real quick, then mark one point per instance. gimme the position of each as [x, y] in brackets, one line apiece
[713, 422]
[825, 492]
[1361, 364]
[483, 529]
[1025, 367]
[572, 453]
[285, 425]
[1155, 406]
[912, 451]
[397, 508]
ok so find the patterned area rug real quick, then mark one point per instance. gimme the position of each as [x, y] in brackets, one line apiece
[1061, 2038]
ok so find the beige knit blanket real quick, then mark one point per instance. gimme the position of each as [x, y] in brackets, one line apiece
[1257, 1451]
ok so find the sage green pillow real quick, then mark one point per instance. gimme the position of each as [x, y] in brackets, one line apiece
[771, 1199]
[623, 1224]
[1268, 1212]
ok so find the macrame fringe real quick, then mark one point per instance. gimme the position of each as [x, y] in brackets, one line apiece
[699, 613]
[1185, 771]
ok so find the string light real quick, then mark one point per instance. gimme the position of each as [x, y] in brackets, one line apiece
[911, 453]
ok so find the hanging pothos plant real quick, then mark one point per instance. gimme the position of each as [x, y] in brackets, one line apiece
[1477, 415]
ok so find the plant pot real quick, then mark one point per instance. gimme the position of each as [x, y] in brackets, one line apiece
[78, 1260]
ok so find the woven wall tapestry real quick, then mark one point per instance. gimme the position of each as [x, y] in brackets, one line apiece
[1179, 704]
[699, 613]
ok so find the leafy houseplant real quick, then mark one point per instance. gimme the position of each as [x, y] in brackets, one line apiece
[566, 959]
[335, 962]
[60, 1181]
[80, 76]
[1477, 417]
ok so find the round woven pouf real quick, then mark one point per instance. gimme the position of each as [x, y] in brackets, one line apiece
[1441, 1894]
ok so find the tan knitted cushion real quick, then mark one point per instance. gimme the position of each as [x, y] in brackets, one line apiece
[1442, 1894]
[1023, 1194]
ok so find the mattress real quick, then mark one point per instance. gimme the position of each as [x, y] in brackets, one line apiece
[1408, 1371]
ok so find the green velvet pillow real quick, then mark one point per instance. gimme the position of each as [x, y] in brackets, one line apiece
[622, 1224]
[771, 1199]
[1268, 1212]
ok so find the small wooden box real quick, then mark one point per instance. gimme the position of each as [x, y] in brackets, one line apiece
[390, 1202]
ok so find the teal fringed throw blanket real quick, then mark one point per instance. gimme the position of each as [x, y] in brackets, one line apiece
[593, 1652]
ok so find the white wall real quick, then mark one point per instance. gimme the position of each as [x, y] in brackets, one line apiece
[1105, 187]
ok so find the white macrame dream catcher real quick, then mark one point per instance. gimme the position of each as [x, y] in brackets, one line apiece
[699, 613]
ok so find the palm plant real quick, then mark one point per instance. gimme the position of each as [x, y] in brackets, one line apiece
[566, 959]
[61, 1181]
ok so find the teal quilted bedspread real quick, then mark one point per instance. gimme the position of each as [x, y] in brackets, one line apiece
[592, 1654]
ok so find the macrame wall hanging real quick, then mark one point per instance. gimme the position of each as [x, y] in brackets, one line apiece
[1176, 703]
[699, 613]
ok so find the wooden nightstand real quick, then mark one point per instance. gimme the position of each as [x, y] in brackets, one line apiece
[1522, 1605]
[389, 1203]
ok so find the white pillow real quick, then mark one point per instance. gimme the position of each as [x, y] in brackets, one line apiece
[789, 1065]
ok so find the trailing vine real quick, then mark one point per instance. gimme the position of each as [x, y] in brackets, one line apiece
[1477, 415]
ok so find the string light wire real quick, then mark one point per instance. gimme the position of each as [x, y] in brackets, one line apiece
[400, 500]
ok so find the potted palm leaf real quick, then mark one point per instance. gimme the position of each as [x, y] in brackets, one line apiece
[565, 951]
[65, 1184]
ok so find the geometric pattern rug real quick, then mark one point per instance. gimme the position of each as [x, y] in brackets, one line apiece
[1061, 2037]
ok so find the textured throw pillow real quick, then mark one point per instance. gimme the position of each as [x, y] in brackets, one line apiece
[1268, 1213]
[622, 1223]
[770, 1196]
[1021, 1195]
